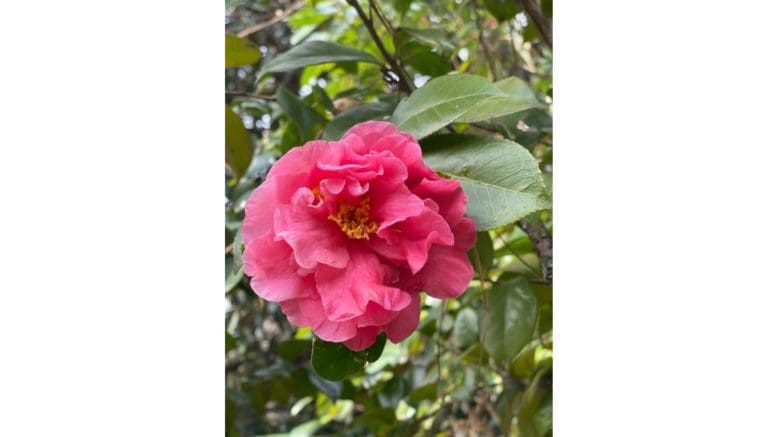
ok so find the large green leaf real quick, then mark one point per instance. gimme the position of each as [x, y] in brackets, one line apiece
[500, 177]
[239, 51]
[457, 97]
[512, 312]
[314, 53]
[340, 124]
[335, 362]
[238, 144]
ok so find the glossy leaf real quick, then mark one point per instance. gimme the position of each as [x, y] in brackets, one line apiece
[238, 144]
[335, 362]
[314, 53]
[511, 315]
[501, 178]
[239, 51]
[456, 97]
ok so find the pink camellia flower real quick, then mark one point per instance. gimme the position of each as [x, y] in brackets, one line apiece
[345, 234]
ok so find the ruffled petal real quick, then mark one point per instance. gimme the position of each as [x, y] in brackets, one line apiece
[308, 312]
[314, 240]
[406, 321]
[414, 237]
[447, 194]
[365, 337]
[273, 271]
[346, 292]
[447, 274]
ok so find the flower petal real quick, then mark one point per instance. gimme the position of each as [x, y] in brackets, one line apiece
[308, 312]
[365, 337]
[273, 271]
[346, 292]
[314, 240]
[406, 321]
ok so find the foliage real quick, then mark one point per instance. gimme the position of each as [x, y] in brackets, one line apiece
[472, 80]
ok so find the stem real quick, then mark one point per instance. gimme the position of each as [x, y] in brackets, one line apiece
[543, 24]
[404, 83]
[261, 26]
[518, 257]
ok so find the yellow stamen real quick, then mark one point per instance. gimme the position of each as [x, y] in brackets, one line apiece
[355, 221]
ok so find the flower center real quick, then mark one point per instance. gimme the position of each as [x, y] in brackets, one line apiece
[355, 221]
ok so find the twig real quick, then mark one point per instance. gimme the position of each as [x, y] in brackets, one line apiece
[261, 26]
[404, 83]
[543, 24]
[382, 17]
[542, 241]
[518, 257]
[481, 38]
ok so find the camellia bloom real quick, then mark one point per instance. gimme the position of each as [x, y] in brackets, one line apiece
[345, 234]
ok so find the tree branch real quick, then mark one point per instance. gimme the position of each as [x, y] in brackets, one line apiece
[404, 82]
[261, 26]
[542, 241]
[543, 24]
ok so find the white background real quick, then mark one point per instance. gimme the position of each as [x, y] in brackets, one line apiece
[111, 148]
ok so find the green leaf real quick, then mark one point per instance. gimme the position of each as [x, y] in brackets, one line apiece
[427, 50]
[373, 352]
[430, 37]
[502, 9]
[424, 59]
[335, 362]
[426, 392]
[305, 117]
[457, 97]
[512, 312]
[238, 144]
[239, 51]
[230, 342]
[501, 178]
[465, 329]
[340, 124]
[394, 390]
[484, 248]
[293, 349]
[531, 402]
[314, 53]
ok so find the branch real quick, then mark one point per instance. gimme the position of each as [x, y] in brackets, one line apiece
[261, 26]
[489, 57]
[542, 241]
[404, 82]
[543, 24]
